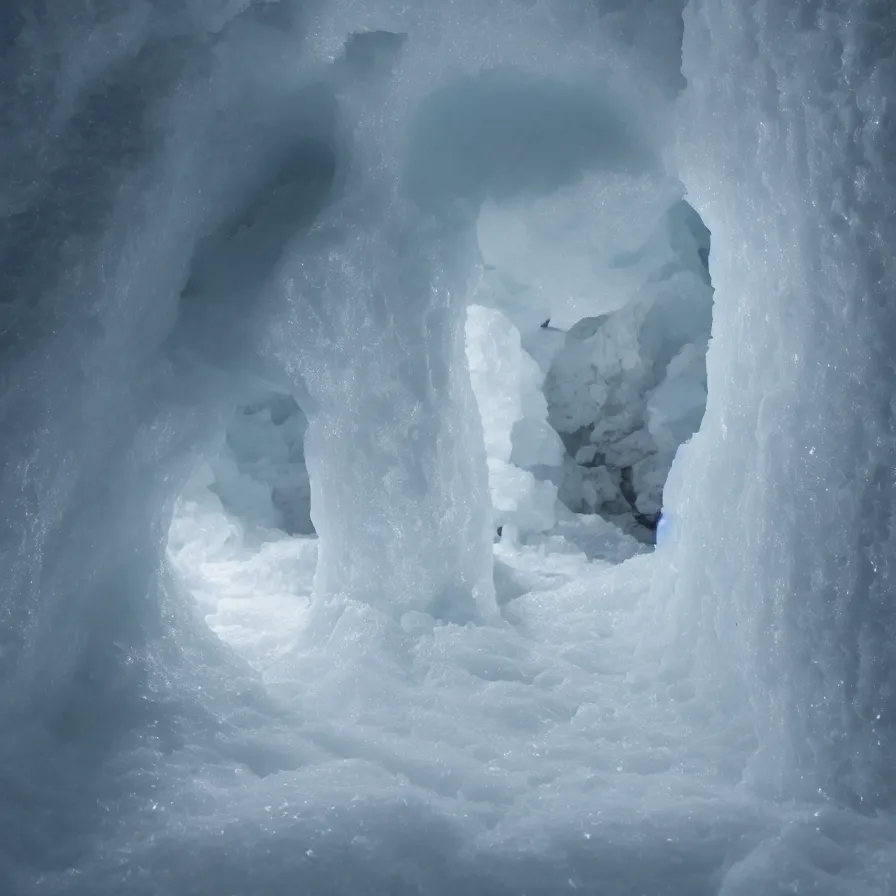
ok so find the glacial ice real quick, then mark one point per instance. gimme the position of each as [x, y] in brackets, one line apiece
[273, 371]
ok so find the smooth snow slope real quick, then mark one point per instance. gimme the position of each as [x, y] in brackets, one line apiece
[205, 201]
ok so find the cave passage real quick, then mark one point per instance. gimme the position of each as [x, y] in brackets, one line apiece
[349, 353]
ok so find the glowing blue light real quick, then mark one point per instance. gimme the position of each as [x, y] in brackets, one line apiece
[662, 527]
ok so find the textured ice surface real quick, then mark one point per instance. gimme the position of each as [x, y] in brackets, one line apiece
[785, 590]
[259, 473]
[206, 201]
[507, 384]
[628, 387]
[579, 252]
[617, 263]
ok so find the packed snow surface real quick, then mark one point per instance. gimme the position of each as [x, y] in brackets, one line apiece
[301, 302]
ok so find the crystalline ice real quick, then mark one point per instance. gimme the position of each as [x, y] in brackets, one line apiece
[223, 219]
[784, 589]
[518, 438]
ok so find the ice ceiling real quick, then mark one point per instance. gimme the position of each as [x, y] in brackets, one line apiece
[348, 352]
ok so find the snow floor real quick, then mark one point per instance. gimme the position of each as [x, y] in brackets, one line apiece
[535, 756]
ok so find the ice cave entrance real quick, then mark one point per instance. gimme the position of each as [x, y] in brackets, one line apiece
[586, 336]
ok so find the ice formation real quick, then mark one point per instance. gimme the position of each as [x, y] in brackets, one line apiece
[518, 438]
[797, 447]
[629, 386]
[606, 284]
[299, 303]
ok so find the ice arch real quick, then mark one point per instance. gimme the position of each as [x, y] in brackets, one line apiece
[600, 307]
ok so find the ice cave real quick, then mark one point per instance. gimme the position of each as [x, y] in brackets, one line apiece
[447, 447]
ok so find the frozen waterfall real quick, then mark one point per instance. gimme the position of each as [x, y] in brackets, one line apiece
[350, 352]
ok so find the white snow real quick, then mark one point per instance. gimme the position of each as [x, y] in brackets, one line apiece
[507, 384]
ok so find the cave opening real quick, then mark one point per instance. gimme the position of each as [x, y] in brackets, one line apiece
[584, 323]
[581, 420]
[586, 415]
[241, 540]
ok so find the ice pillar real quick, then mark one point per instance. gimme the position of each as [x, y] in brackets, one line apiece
[394, 447]
[784, 503]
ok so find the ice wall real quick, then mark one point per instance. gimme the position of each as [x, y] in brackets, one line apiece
[394, 446]
[207, 199]
[129, 137]
[155, 159]
[782, 537]
[374, 333]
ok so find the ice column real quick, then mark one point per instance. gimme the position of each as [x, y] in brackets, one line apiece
[783, 504]
[394, 446]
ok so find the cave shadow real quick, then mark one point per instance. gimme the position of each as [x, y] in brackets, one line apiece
[506, 132]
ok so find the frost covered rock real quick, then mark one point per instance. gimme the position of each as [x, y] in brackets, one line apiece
[629, 387]
[606, 281]
[611, 262]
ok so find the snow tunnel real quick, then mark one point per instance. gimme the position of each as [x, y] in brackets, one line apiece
[301, 303]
